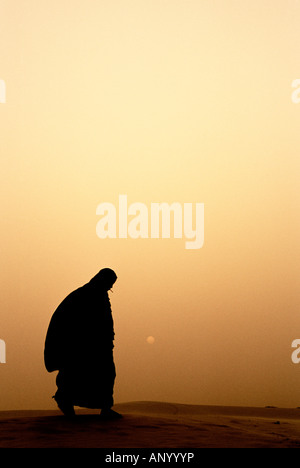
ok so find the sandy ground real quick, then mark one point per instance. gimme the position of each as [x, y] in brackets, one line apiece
[154, 425]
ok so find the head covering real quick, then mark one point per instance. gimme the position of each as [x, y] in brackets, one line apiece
[106, 276]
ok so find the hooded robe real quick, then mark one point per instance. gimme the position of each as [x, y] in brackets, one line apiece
[79, 344]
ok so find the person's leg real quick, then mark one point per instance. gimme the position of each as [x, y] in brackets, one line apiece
[62, 396]
[108, 391]
[108, 413]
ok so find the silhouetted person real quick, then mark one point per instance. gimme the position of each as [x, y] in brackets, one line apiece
[79, 344]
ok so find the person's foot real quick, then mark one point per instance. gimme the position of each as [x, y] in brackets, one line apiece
[109, 414]
[65, 407]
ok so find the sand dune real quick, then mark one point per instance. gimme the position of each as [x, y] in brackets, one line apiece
[154, 425]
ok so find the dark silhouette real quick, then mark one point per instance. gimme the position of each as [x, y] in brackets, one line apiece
[79, 344]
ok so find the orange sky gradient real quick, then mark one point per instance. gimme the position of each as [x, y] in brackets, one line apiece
[182, 101]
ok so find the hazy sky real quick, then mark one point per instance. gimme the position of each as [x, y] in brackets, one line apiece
[186, 101]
